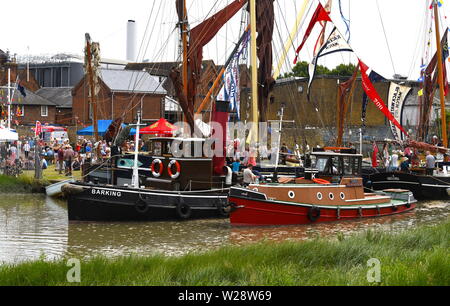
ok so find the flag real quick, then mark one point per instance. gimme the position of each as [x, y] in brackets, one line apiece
[375, 97]
[230, 91]
[319, 15]
[396, 102]
[375, 155]
[21, 89]
[373, 77]
[38, 129]
[335, 43]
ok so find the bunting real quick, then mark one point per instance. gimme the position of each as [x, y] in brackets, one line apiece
[335, 43]
[375, 97]
[373, 77]
[320, 15]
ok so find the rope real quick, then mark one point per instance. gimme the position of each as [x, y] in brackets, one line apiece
[385, 36]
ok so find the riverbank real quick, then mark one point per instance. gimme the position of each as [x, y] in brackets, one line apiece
[417, 257]
[22, 184]
[26, 183]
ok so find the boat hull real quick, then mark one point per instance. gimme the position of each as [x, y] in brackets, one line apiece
[252, 209]
[422, 186]
[109, 204]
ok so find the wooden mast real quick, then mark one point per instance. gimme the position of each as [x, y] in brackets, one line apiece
[441, 76]
[254, 62]
[92, 85]
[184, 38]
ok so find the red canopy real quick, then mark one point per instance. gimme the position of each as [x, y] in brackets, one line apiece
[160, 127]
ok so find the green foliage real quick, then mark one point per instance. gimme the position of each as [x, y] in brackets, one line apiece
[416, 257]
[301, 70]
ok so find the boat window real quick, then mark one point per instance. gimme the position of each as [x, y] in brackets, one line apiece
[321, 163]
[348, 165]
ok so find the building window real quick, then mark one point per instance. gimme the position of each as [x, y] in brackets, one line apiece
[44, 111]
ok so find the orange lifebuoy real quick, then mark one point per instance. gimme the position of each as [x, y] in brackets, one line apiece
[169, 169]
[321, 182]
[161, 168]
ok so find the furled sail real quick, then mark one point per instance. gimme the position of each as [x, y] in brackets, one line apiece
[199, 37]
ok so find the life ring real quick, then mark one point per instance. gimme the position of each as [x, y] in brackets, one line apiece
[183, 210]
[161, 168]
[314, 214]
[175, 175]
[321, 182]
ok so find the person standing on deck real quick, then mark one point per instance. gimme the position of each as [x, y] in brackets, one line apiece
[430, 163]
[249, 177]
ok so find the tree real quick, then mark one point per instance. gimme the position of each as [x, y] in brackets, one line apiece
[302, 70]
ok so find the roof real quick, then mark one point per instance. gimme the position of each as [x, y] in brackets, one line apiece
[62, 97]
[30, 99]
[131, 81]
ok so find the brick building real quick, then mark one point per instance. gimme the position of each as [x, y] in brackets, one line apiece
[25, 110]
[122, 94]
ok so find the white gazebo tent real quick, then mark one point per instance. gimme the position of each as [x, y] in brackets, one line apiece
[7, 135]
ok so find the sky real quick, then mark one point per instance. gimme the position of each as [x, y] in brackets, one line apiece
[51, 27]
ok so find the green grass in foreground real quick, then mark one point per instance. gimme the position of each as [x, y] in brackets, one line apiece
[418, 257]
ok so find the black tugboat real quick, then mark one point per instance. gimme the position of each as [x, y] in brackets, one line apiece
[167, 188]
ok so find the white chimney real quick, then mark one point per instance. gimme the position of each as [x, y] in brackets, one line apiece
[131, 41]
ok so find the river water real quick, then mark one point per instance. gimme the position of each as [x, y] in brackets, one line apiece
[35, 226]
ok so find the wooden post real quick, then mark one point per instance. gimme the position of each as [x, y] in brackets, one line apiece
[93, 99]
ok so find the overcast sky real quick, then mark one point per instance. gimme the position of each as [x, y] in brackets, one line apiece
[51, 26]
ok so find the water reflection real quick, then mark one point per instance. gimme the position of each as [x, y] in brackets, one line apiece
[33, 225]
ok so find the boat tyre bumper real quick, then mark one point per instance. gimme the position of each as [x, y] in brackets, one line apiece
[70, 189]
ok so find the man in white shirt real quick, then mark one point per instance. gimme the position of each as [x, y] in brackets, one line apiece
[249, 177]
[394, 161]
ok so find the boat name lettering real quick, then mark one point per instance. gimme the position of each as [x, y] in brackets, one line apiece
[393, 178]
[108, 193]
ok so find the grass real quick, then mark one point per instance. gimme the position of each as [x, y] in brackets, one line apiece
[21, 184]
[51, 175]
[418, 257]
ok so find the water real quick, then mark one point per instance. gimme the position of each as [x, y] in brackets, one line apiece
[34, 226]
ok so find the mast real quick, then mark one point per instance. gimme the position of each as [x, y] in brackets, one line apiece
[184, 38]
[441, 75]
[254, 63]
[9, 98]
[93, 97]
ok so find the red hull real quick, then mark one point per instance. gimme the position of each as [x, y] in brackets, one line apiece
[250, 212]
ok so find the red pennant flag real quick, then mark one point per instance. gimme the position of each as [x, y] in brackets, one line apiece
[375, 97]
[375, 155]
[319, 15]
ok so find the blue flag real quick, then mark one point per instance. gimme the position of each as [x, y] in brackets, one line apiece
[21, 89]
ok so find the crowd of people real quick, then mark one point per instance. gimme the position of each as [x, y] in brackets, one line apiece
[408, 158]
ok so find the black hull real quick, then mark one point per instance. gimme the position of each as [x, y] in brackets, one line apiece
[423, 186]
[100, 203]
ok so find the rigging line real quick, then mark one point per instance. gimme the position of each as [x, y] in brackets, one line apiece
[146, 30]
[148, 75]
[290, 91]
[385, 36]
[148, 43]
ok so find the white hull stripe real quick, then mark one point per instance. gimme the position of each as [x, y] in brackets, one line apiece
[162, 193]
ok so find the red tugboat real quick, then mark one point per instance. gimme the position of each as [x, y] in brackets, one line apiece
[306, 201]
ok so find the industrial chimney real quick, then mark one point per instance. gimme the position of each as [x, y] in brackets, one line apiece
[131, 41]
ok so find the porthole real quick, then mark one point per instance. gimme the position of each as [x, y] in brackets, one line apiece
[291, 194]
[331, 196]
[319, 196]
[256, 189]
[342, 196]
